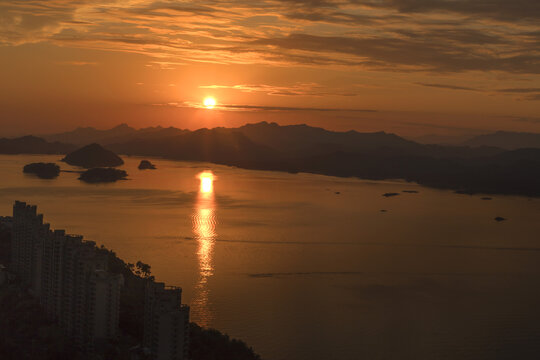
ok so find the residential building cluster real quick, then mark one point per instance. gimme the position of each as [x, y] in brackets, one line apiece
[70, 278]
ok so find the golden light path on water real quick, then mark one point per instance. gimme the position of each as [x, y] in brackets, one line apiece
[204, 229]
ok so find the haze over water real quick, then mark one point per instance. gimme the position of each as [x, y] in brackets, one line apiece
[300, 272]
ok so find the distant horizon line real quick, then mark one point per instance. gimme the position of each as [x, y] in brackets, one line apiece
[469, 134]
[473, 132]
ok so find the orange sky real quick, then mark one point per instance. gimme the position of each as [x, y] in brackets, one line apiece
[407, 66]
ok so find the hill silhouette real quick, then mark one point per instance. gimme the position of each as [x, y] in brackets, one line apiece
[218, 146]
[121, 133]
[32, 145]
[91, 156]
[303, 140]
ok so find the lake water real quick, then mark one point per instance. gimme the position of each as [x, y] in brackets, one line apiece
[301, 272]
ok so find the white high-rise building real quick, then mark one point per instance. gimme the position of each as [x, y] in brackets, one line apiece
[70, 278]
[166, 322]
[105, 289]
[68, 275]
[28, 234]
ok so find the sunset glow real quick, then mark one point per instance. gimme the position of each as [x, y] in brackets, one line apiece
[413, 68]
[370, 157]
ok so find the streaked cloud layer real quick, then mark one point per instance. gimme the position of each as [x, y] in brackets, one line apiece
[398, 35]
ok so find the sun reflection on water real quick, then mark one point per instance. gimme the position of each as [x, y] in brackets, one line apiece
[204, 229]
[207, 182]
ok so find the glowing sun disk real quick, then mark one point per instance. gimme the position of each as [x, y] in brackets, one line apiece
[209, 102]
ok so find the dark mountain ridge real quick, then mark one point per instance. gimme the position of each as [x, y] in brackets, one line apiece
[302, 148]
[121, 133]
[220, 147]
[32, 145]
[302, 140]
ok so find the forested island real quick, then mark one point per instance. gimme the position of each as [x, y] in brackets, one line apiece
[103, 175]
[43, 170]
[92, 156]
[146, 165]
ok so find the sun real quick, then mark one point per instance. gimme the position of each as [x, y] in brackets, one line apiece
[209, 102]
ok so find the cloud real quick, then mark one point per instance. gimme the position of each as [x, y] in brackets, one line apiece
[520, 90]
[240, 107]
[309, 89]
[532, 94]
[449, 87]
[533, 97]
[410, 53]
[532, 120]
[286, 108]
[503, 10]
[392, 35]
[77, 63]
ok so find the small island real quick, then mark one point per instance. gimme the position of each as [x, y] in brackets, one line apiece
[93, 156]
[43, 170]
[499, 219]
[146, 165]
[102, 175]
[390, 194]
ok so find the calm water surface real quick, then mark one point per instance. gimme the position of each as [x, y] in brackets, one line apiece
[302, 273]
